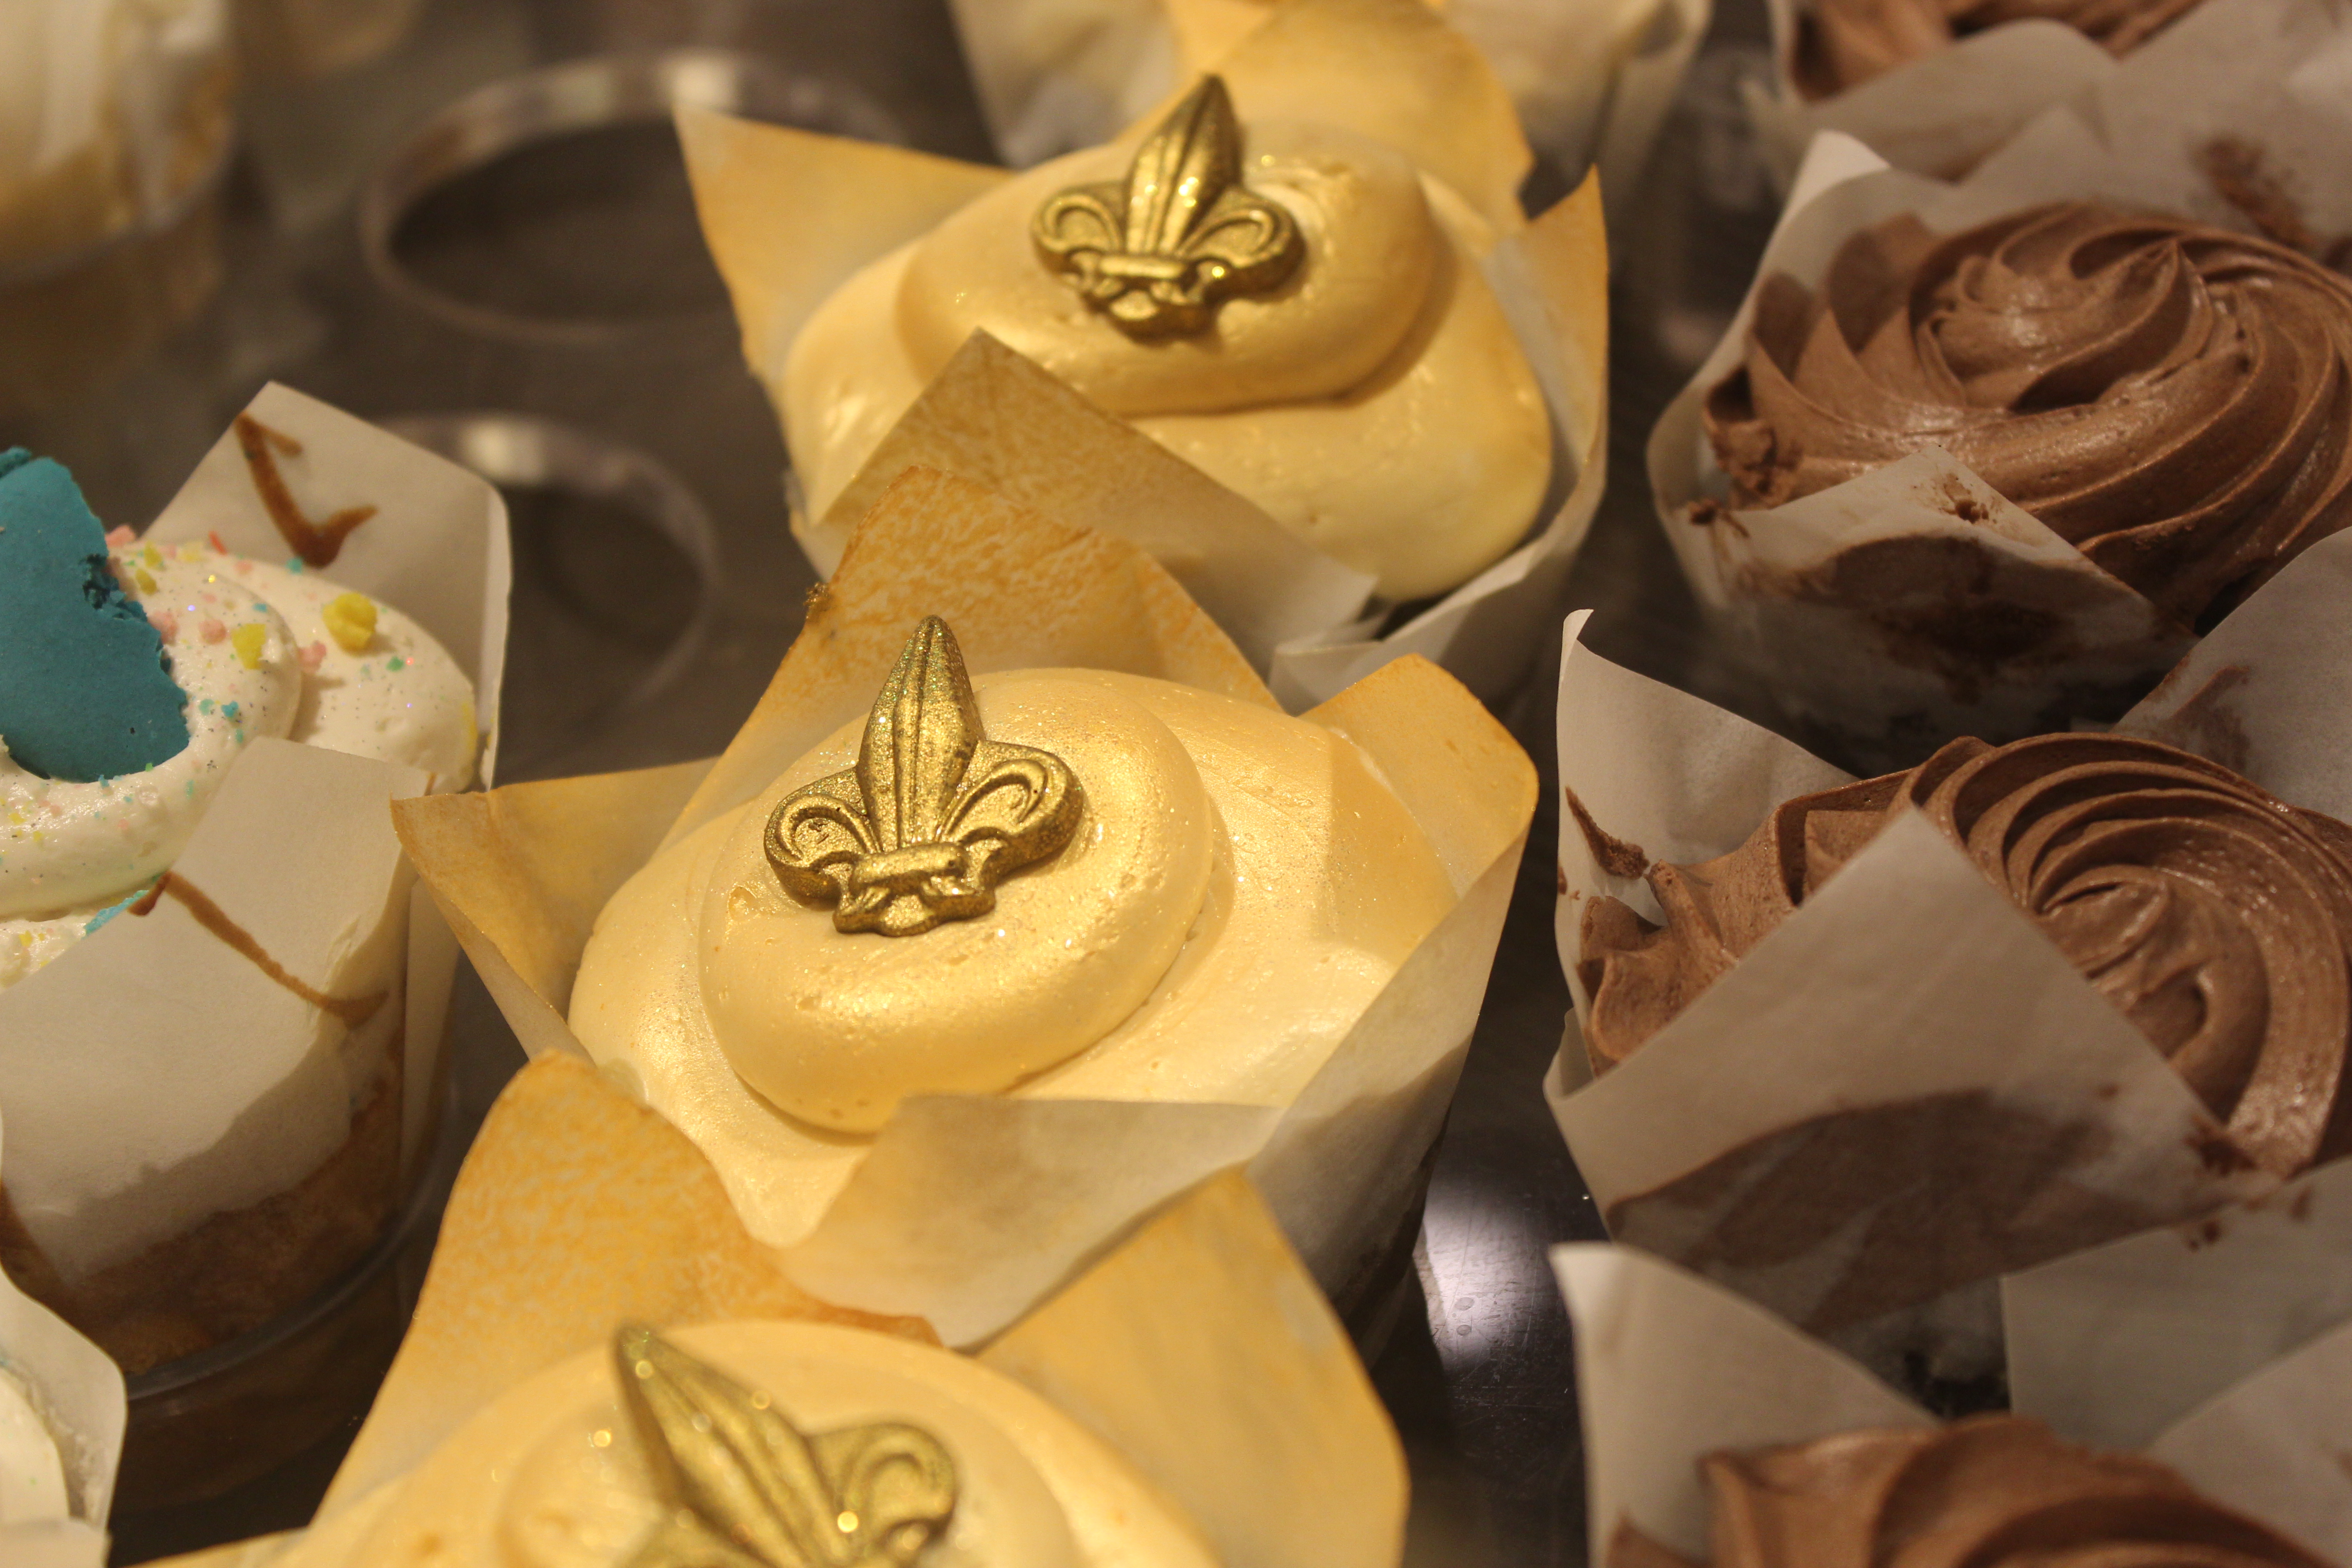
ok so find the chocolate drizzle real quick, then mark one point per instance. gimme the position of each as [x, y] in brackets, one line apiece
[2173, 399]
[317, 543]
[2214, 916]
[352, 1011]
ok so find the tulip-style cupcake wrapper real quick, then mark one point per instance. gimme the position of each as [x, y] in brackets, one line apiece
[1302, 619]
[965, 1209]
[76, 1393]
[579, 1210]
[2255, 64]
[1905, 1088]
[1593, 83]
[1879, 670]
[1670, 1368]
[191, 1060]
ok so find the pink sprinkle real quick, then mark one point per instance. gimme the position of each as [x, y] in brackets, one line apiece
[242, 566]
[214, 539]
[166, 624]
[313, 656]
[212, 631]
[120, 536]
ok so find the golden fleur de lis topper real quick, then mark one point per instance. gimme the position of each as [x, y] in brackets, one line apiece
[745, 1488]
[1160, 250]
[934, 815]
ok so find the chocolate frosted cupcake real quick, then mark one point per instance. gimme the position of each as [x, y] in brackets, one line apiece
[2214, 916]
[2172, 399]
[1994, 1489]
[1841, 44]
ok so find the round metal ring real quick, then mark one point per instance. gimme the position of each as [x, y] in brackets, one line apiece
[564, 99]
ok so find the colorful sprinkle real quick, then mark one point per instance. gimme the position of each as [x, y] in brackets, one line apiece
[313, 656]
[214, 539]
[395, 662]
[145, 580]
[351, 621]
[212, 631]
[121, 535]
[249, 640]
[166, 624]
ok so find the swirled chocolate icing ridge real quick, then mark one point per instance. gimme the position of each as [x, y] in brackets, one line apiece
[1986, 1493]
[2176, 400]
[2214, 916]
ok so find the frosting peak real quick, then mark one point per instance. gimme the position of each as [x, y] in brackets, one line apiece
[2173, 399]
[2216, 917]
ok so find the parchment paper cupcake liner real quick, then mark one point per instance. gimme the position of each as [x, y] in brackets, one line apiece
[1906, 1089]
[965, 1209]
[1591, 80]
[578, 1210]
[1304, 620]
[1875, 674]
[175, 1070]
[78, 1394]
[1944, 114]
[1670, 1368]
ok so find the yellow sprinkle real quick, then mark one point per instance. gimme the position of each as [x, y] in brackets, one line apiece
[351, 621]
[248, 640]
[152, 556]
[145, 581]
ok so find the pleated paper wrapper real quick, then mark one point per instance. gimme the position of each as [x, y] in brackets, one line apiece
[2271, 79]
[157, 1076]
[1591, 80]
[1944, 114]
[964, 1209]
[1304, 620]
[78, 1394]
[1670, 1368]
[579, 1210]
[1905, 1091]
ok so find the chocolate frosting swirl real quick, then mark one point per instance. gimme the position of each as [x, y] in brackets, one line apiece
[2175, 400]
[1845, 43]
[2216, 917]
[1979, 1493]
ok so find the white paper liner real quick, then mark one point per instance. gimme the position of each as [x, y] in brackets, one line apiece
[1905, 977]
[135, 1114]
[966, 1207]
[2266, 72]
[1301, 618]
[1591, 80]
[77, 1392]
[1670, 1368]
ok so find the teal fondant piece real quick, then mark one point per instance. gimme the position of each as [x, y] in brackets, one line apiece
[84, 691]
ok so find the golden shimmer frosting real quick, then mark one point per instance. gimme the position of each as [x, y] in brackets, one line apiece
[1979, 1493]
[1242, 885]
[558, 1472]
[1375, 402]
[2173, 399]
[2214, 916]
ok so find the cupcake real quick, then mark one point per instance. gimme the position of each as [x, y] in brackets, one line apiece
[198, 747]
[590, 1434]
[1859, 1048]
[1717, 1433]
[2172, 399]
[1841, 44]
[1974, 461]
[1118, 899]
[2213, 915]
[61, 1417]
[1313, 289]
[1989, 1489]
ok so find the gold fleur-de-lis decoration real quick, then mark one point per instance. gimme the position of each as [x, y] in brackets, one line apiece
[745, 1488]
[1160, 250]
[934, 815]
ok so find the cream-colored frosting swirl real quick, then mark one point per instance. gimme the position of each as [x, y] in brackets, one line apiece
[1242, 885]
[553, 1473]
[1376, 403]
[1845, 43]
[2216, 917]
